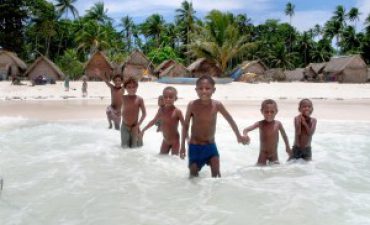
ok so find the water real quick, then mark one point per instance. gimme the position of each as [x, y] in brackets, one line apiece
[75, 173]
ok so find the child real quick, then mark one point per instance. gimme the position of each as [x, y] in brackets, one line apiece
[84, 86]
[269, 134]
[66, 83]
[203, 113]
[160, 104]
[305, 127]
[132, 105]
[169, 116]
[114, 109]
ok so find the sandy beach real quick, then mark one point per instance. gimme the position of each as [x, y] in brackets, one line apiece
[332, 101]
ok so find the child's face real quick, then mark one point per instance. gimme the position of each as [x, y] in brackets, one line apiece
[169, 97]
[205, 90]
[306, 108]
[269, 112]
[117, 82]
[160, 102]
[131, 88]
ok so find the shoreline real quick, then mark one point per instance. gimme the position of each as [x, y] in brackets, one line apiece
[332, 101]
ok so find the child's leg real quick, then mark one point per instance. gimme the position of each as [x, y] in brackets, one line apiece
[165, 148]
[262, 159]
[194, 170]
[176, 148]
[125, 136]
[214, 163]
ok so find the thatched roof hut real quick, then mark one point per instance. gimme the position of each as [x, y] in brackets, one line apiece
[10, 65]
[313, 70]
[98, 66]
[137, 65]
[163, 66]
[346, 69]
[256, 67]
[294, 75]
[203, 66]
[43, 66]
[368, 74]
[176, 70]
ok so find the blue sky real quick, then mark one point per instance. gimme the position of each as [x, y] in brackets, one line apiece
[307, 12]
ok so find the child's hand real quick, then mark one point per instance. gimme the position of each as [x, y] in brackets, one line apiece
[182, 153]
[245, 140]
[289, 151]
[245, 132]
[141, 134]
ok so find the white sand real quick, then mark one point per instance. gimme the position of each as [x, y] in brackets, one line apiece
[332, 101]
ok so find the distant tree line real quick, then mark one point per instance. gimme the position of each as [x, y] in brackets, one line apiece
[32, 27]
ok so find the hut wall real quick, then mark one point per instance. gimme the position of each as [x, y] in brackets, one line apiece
[7, 64]
[42, 68]
[256, 68]
[93, 74]
[358, 75]
[136, 71]
[207, 69]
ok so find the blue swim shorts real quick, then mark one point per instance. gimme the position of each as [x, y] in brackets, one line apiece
[201, 154]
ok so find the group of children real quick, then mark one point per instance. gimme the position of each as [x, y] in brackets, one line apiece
[202, 115]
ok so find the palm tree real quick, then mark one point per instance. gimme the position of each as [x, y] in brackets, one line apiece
[289, 11]
[153, 27]
[128, 28]
[65, 6]
[98, 13]
[219, 40]
[92, 37]
[353, 15]
[335, 26]
[367, 25]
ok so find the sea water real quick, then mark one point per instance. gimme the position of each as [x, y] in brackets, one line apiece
[75, 173]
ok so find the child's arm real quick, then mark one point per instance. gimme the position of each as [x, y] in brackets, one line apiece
[298, 125]
[105, 79]
[310, 129]
[181, 119]
[143, 112]
[232, 123]
[185, 128]
[285, 138]
[151, 123]
[250, 128]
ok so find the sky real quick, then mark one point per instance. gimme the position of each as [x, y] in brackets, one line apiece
[308, 13]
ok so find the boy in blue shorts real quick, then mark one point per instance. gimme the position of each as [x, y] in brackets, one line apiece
[203, 114]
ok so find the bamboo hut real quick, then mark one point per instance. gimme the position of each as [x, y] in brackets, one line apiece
[10, 65]
[346, 69]
[137, 65]
[176, 70]
[98, 66]
[163, 66]
[203, 66]
[314, 71]
[44, 67]
[294, 75]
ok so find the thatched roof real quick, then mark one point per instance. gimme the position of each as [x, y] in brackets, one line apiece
[40, 59]
[14, 58]
[338, 64]
[294, 75]
[246, 64]
[204, 66]
[164, 65]
[96, 56]
[138, 58]
[176, 70]
[317, 67]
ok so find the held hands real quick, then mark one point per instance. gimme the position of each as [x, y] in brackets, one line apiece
[182, 152]
[244, 139]
[289, 151]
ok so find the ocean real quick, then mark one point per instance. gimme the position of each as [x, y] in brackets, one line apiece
[75, 173]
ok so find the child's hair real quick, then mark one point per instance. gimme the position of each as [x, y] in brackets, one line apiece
[160, 97]
[206, 77]
[117, 76]
[268, 102]
[130, 80]
[304, 100]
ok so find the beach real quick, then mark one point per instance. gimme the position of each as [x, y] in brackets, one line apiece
[332, 101]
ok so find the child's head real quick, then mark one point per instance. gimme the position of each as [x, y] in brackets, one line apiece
[131, 85]
[117, 80]
[305, 107]
[269, 109]
[160, 101]
[205, 87]
[169, 95]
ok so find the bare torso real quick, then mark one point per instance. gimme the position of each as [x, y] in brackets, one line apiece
[130, 109]
[269, 137]
[117, 98]
[169, 124]
[204, 117]
[303, 134]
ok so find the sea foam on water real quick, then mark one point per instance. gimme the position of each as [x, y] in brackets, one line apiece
[75, 172]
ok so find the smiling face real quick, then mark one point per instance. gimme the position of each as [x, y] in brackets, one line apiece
[131, 88]
[269, 112]
[117, 82]
[205, 89]
[169, 97]
[305, 107]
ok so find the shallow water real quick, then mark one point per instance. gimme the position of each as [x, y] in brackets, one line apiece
[76, 173]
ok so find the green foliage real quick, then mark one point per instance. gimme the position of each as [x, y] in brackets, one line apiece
[159, 55]
[70, 64]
